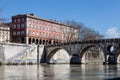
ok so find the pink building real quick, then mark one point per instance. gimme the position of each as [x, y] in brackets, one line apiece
[29, 29]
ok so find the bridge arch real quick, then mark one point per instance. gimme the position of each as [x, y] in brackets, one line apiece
[83, 51]
[118, 56]
[54, 52]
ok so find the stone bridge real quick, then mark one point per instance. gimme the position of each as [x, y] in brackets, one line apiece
[76, 49]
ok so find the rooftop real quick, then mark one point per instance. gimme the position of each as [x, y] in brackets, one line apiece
[35, 17]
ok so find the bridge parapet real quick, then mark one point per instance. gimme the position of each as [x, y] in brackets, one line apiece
[116, 40]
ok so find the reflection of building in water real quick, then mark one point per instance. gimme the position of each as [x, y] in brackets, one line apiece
[4, 32]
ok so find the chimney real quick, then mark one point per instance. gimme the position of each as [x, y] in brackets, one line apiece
[32, 14]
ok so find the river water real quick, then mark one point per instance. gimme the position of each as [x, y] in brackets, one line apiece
[60, 72]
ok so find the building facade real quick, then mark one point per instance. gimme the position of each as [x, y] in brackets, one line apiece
[5, 32]
[29, 29]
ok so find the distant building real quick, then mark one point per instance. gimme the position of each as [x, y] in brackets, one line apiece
[29, 29]
[5, 32]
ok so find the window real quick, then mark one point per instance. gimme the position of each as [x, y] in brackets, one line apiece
[37, 27]
[23, 32]
[18, 32]
[14, 33]
[29, 32]
[7, 29]
[33, 20]
[47, 29]
[41, 28]
[22, 25]
[23, 19]
[29, 25]
[33, 33]
[34, 26]
[18, 26]
[47, 34]
[40, 34]
[14, 26]
[37, 21]
[18, 20]
[14, 20]
[30, 20]
[37, 33]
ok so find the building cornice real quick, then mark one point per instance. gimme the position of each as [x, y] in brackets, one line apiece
[35, 17]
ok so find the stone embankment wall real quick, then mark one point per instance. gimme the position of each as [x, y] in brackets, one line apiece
[19, 53]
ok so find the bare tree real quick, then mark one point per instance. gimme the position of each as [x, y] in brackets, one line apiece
[70, 33]
[84, 33]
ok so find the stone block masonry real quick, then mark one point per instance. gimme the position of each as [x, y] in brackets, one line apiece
[19, 53]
